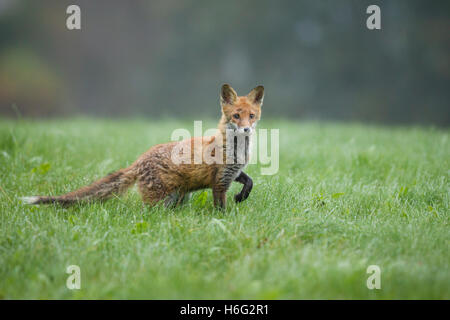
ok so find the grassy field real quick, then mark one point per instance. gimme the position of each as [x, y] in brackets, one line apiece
[346, 196]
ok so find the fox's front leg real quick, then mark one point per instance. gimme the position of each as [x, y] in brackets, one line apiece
[246, 189]
[219, 195]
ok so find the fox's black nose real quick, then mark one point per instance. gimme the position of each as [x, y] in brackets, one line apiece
[246, 129]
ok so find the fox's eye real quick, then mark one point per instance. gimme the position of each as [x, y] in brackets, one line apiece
[236, 115]
[252, 115]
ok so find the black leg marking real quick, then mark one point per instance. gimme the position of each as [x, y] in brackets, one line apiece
[246, 189]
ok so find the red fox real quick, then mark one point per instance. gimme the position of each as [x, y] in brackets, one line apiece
[160, 178]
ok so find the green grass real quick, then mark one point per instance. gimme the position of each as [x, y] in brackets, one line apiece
[346, 196]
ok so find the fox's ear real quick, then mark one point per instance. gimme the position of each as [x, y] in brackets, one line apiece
[227, 95]
[257, 95]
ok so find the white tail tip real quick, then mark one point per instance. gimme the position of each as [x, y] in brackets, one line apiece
[29, 200]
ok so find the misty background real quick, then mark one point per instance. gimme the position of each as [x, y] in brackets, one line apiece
[316, 59]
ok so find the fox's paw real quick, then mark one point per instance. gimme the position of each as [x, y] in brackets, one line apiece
[238, 197]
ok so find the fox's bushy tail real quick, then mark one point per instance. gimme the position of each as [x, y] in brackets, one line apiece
[115, 183]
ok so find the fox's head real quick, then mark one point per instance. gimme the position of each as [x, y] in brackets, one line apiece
[241, 113]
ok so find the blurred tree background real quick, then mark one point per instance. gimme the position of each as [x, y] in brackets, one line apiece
[316, 59]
